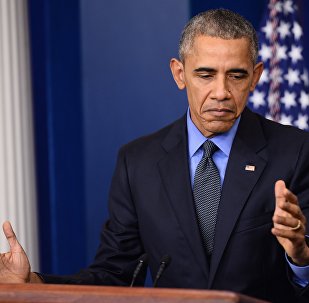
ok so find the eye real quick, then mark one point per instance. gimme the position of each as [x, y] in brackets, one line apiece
[237, 76]
[205, 76]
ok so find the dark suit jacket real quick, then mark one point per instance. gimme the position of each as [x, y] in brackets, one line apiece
[152, 210]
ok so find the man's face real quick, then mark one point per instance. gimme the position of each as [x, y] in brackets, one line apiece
[218, 75]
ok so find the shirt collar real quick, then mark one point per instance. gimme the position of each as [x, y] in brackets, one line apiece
[196, 138]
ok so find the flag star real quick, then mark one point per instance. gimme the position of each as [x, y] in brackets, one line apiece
[304, 100]
[281, 52]
[292, 76]
[295, 53]
[258, 99]
[264, 77]
[305, 77]
[289, 99]
[297, 30]
[284, 29]
[286, 119]
[265, 52]
[302, 121]
[288, 7]
[277, 6]
[267, 29]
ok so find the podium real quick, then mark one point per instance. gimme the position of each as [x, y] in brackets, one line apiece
[51, 293]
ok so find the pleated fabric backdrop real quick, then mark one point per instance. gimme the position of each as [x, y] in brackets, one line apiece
[17, 165]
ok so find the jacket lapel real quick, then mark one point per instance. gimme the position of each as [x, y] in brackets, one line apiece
[245, 166]
[175, 175]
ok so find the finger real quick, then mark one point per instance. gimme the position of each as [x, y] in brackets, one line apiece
[11, 237]
[289, 234]
[287, 223]
[290, 197]
[290, 210]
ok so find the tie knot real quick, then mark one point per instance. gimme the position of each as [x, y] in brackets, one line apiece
[209, 148]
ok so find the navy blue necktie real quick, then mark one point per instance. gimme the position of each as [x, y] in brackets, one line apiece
[207, 192]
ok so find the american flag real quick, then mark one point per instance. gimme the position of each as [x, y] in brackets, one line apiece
[282, 93]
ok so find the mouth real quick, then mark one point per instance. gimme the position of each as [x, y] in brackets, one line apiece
[219, 112]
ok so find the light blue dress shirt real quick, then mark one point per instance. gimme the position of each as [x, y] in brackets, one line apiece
[224, 142]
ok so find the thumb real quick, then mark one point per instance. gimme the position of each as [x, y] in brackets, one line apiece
[280, 191]
[11, 237]
[281, 194]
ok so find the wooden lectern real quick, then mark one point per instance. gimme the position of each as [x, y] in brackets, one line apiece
[48, 293]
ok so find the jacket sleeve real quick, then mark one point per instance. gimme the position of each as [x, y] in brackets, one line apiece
[300, 186]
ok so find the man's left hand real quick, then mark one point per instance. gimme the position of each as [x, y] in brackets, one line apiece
[290, 225]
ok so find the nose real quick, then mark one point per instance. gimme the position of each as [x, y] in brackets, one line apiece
[220, 90]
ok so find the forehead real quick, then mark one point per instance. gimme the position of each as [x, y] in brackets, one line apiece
[214, 49]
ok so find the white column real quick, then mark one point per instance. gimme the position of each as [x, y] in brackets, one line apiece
[17, 168]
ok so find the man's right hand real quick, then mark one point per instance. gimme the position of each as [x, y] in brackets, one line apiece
[14, 265]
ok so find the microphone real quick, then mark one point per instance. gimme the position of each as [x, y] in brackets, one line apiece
[165, 261]
[142, 260]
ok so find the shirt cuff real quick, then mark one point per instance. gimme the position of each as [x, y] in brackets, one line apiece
[301, 273]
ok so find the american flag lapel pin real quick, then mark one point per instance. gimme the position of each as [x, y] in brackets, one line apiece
[250, 168]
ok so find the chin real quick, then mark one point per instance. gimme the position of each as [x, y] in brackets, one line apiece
[220, 129]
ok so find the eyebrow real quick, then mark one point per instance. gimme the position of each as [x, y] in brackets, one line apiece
[212, 70]
[238, 71]
[205, 69]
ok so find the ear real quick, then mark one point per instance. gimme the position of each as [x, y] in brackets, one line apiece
[177, 69]
[257, 72]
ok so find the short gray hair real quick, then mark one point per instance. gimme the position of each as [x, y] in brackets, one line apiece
[220, 23]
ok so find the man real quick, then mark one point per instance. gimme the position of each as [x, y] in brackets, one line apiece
[253, 239]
